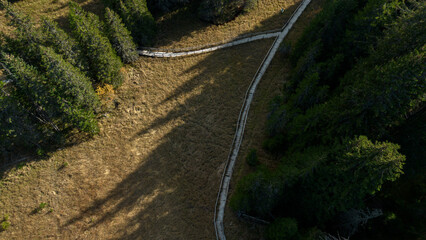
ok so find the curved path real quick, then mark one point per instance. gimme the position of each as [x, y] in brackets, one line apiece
[167, 54]
[242, 119]
[238, 138]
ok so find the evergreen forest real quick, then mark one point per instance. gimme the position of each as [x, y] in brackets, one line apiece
[349, 128]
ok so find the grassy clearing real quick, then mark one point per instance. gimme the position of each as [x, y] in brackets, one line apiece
[154, 170]
[157, 160]
[182, 28]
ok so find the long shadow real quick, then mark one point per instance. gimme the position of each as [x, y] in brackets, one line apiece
[181, 22]
[190, 85]
[172, 194]
[180, 175]
[185, 20]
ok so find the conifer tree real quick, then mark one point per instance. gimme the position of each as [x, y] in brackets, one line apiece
[104, 64]
[26, 35]
[137, 18]
[32, 92]
[63, 44]
[72, 88]
[17, 127]
[120, 37]
[357, 169]
[60, 101]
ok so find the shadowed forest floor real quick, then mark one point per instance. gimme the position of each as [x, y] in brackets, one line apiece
[154, 170]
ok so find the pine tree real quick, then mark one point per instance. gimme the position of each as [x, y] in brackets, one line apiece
[120, 37]
[137, 18]
[356, 169]
[104, 64]
[31, 90]
[72, 88]
[17, 127]
[20, 21]
[26, 36]
[63, 44]
[166, 5]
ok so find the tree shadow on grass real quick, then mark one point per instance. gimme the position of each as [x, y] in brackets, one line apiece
[183, 22]
[172, 193]
[190, 85]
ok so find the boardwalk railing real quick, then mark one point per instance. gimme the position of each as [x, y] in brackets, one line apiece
[242, 119]
[169, 53]
[248, 98]
[193, 48]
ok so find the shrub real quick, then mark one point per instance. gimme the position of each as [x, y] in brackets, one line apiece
[4, 226]
[285, 49]
[249, 5]
[354, 170]
[251, 158]
[257, 193]
[282, 228]
[40, 207]
[120, 37]
[104, 64]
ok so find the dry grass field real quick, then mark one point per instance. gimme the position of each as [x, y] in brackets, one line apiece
[154, 170]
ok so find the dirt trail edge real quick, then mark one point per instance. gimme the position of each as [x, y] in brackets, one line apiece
[242, 119]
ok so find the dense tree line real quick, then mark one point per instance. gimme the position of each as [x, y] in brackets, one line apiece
[222, 11]
[51, 75]
[213, 11]
[137, 18]
[102, 59]
[358, 75]
[166, 5]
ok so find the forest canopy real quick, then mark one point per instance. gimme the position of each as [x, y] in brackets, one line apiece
[359, 75]
[52, 76]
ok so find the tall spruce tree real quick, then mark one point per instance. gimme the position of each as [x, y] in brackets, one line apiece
[32, 91]
[61, 100]
[355, 170]
[120, 37]
[104, 64]
[63, 44]
[26, 36]
[137, 18]
[17, 126]
[73, 90]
